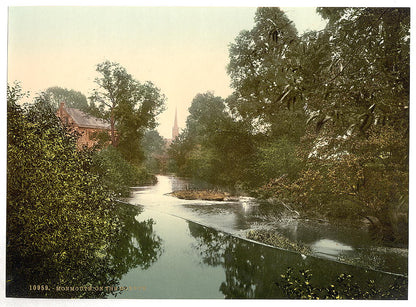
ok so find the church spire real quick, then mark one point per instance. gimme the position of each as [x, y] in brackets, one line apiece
[175, 129]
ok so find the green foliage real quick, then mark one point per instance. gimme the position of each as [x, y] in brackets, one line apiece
[301, 286]
[117, 173]
[130, 106]
[276, 159]
[350, 84]
[178, 153]
[71, 98]
[214, 146]
[15, 92]
[366, 55]
[59, 215]
[262, 67]
[360, 144]
[154, 149]
[63, 228]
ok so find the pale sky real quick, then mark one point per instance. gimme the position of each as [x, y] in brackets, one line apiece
[183, 50]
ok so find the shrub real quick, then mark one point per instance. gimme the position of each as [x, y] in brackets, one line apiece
[60, 217]
[119, 175]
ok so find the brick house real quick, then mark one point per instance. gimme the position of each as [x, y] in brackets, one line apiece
[86, 125]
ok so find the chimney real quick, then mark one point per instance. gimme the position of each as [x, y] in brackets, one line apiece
[61, 108]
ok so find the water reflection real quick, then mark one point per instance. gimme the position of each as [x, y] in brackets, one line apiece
[252, 270]
[245, 274]
[136, 244]
[97, 273]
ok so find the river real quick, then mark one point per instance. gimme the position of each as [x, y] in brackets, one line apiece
[203, 253]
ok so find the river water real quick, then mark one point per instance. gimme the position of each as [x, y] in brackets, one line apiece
[202, 252]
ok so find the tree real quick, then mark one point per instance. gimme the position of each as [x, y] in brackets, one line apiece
[192, 149]
[71, 98]
[130, 106]
[367, 56]
[117, 174]
[337, 100]
[360, 107]
[154, 149]
[214, 147]
[263, 65]
[268, 93]
[355, 81]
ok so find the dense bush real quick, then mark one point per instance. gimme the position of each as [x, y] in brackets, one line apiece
[119, 175]
[60, 217]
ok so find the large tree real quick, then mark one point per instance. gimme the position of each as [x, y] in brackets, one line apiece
[359, 104]
[130, 106]
[263, 65]
[354, 81]
[362, 77]
[350, 84]
[268, 92]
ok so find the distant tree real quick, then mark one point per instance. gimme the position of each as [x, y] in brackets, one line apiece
[71, 98]
[154, 148]
[153, 142]
[178, 153]
[206, 115]
[117, 174]
[213, 146]
[130, 106]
